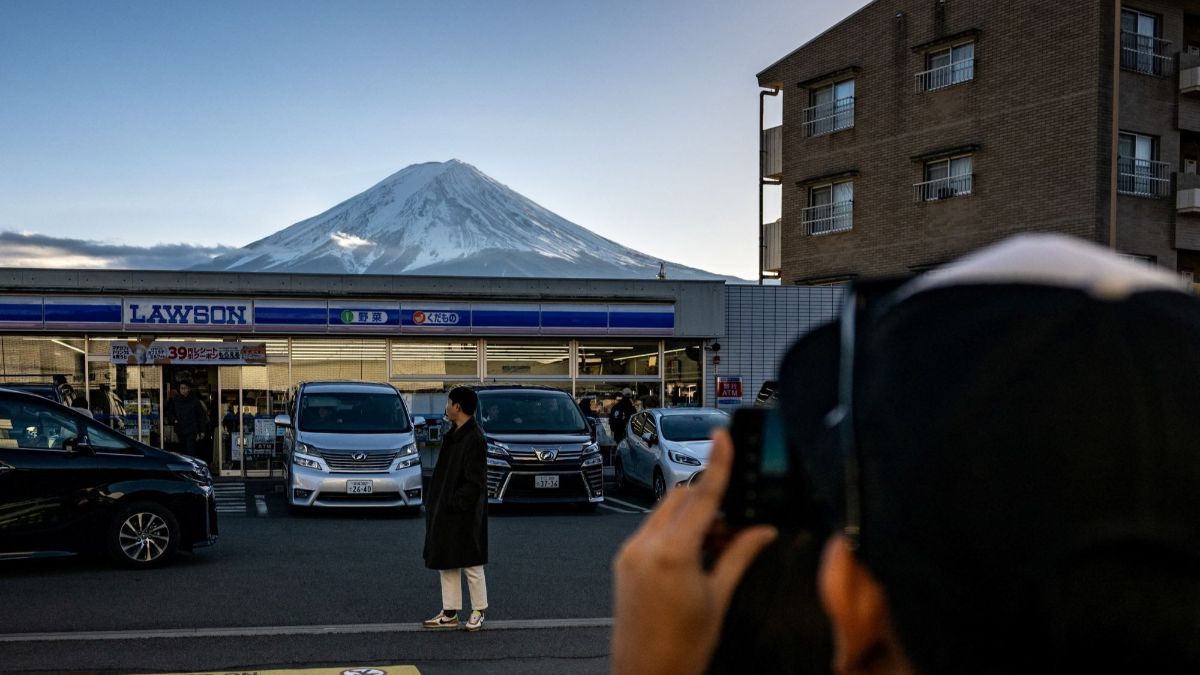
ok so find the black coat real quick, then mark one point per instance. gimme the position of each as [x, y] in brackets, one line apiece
[619, 416]
[189, 414]
[456, 504]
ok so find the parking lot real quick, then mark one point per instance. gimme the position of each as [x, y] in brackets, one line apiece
[324, 588]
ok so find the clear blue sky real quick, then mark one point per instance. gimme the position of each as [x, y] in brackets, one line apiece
[222, 122]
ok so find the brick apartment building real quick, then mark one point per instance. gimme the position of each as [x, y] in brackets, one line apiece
[917, 130]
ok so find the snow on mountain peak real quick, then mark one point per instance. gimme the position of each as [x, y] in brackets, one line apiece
[444, 218]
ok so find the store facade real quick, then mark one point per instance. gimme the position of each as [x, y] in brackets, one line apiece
[244, 341]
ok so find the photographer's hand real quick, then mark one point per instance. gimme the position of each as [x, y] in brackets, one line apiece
[669, 609]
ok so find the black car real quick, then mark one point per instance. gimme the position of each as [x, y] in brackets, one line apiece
[71, 485]
[540, 447]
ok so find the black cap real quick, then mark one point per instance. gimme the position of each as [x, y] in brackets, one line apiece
[1030, 461]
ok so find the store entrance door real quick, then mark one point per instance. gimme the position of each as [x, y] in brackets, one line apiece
[202, 382]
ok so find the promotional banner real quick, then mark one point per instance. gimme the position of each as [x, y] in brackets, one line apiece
[147, 352]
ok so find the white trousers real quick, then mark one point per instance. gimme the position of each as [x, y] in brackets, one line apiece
[452, 588]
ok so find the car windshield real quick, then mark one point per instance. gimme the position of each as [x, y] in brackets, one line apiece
[694, 427]
[353, 413]
[530, 412]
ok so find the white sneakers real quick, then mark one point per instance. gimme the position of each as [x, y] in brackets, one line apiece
[445, 622]
[442, 621]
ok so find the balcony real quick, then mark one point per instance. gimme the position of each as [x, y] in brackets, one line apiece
[946, 76]
[826, 118]
[943, 188]
[773, 255]
[1143, 178]
[772, 145]
[1146, 54]
[1187, 194]
[829, 218]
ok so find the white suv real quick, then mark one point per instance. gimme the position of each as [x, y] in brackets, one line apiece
[351, 444]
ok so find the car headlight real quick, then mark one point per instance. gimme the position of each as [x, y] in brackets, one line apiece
[496, 449]
[408, 457]
[307, 449]
[310, 462]
[591, 448]
[594, 460]
[680, 458]
[196, 472]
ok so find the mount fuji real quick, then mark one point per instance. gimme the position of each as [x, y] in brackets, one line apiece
[445, 218]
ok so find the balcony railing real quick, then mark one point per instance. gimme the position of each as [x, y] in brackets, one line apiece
[826, 118]
[1146, 54]
[943, 188]
[945, 76]
[1143, 177]
[829, 218]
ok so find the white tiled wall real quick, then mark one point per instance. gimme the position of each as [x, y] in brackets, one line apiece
[761, 322]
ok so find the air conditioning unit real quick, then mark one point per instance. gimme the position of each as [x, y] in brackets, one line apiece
[1189, 166]
[1193, 50]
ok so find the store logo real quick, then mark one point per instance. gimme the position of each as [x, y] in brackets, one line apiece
[435, 318]
[370, 316]
[189, 315]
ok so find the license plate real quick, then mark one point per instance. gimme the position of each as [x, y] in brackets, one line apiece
[360, 487]
[545, 482]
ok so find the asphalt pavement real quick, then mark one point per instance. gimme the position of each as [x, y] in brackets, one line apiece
[326, 589]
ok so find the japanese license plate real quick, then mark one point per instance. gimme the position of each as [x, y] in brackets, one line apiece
[545, 482]
[360, 487]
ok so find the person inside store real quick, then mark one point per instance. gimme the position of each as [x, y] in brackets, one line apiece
[187, 412]
[1008, 470]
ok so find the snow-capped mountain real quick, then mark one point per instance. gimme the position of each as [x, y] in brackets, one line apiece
[444, 218]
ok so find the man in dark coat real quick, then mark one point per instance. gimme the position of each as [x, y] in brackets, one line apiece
[618, 417]
[456, 513]
[188, 414]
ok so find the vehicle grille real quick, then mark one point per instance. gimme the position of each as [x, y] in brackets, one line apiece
[569, 485]
[564, 456]
[595, 479]
[340, 497]
[344, 462]
[495, 478]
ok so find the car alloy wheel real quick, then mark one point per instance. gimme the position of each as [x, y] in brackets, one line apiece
[143, 535]
[660, 486]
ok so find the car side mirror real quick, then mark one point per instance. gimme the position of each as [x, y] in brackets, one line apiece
[283, 421]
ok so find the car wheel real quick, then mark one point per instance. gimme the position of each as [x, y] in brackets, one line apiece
[660, 486]
[619, 475]
[142, 535]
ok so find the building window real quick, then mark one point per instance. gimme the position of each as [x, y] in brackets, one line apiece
[946, 178]
[830, 208]
[831, 108]
[1142, 50]
[947, 67]
[1139, 173]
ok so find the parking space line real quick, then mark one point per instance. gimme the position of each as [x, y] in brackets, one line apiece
[260, 504]
[640, 509]
[258, 631]
[621, 511]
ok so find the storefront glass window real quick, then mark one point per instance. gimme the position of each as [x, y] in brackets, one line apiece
[340, 359]
[51, 362]
[618, 358]
[682, 360]
[457, 357]
[528, 358]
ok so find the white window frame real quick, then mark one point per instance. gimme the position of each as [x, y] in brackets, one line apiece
[953, 71]
[955, 183]
[1142, 49]
[836, 215]
[1141, 174]
[834, 114]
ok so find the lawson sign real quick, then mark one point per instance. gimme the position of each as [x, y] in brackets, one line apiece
[188, 313]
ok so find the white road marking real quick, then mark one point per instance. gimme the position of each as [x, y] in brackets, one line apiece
[256, 631]
[621, 511]
[260, 504]
[640, 509]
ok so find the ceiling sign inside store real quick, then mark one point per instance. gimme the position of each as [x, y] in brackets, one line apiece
[146, 352]
[185, 313]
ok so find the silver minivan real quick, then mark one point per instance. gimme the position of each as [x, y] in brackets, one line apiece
[351, 444]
